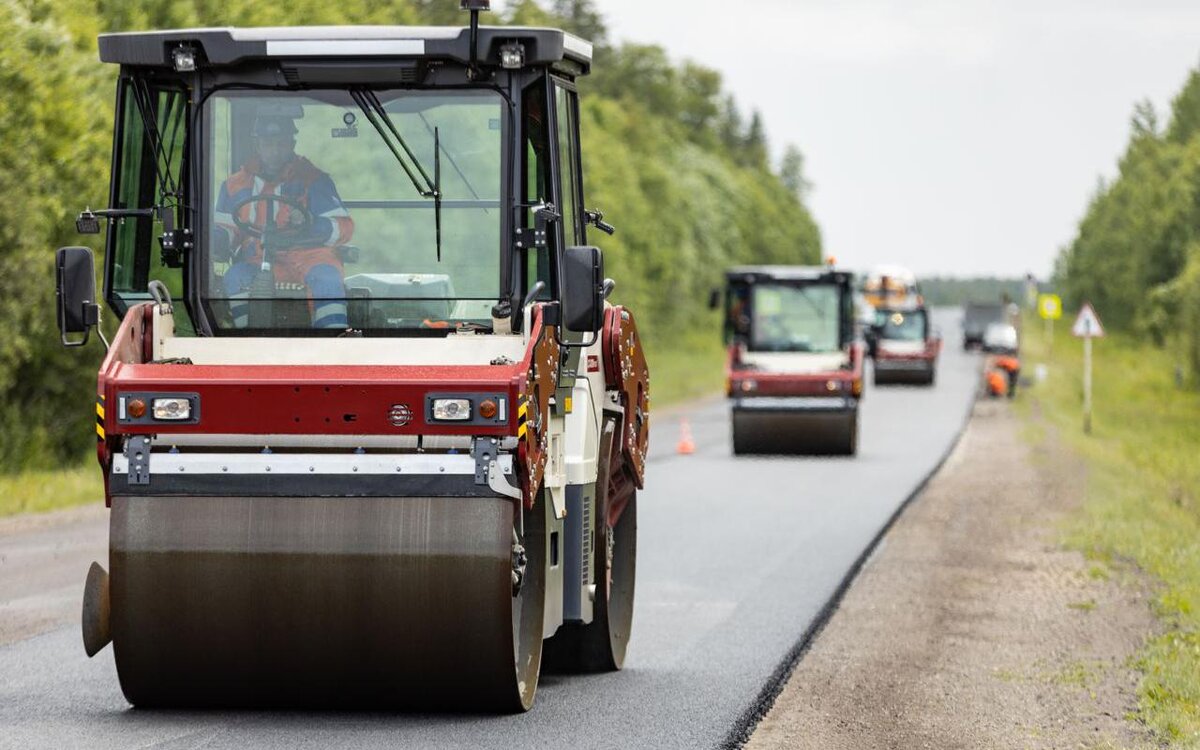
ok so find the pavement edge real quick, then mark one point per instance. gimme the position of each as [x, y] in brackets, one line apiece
[739, 733]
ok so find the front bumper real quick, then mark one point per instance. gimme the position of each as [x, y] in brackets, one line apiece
[809, 404]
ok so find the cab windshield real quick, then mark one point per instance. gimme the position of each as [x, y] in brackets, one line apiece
[314, 222]
[796, 318]
[895, 325]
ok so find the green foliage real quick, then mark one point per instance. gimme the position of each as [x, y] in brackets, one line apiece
[953, 291]
[670, 160]
[1138, 249]
[54, 124]
[791, 172]
[1185, 119]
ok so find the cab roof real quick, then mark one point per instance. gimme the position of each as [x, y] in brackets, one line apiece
[228, 46]
[786, 273]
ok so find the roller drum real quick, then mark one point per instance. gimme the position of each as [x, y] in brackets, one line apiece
[795, 432]
[277, 601]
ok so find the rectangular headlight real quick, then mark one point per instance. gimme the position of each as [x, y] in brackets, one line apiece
[452, 409]
[172, 409]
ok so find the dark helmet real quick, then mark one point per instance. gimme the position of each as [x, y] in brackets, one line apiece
[268, 126]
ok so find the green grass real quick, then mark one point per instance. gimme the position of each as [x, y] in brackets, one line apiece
[43, 490]
[1142, 497]
[689, 367]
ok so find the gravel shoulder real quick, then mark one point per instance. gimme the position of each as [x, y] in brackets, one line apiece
[971, 626]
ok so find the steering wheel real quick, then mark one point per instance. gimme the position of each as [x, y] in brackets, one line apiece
[299, 226]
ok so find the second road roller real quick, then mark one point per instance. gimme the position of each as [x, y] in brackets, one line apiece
[904, 345]
[371, 433]
[794, 369]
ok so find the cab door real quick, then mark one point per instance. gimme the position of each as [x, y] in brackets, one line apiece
[568, 170]
[149, 170]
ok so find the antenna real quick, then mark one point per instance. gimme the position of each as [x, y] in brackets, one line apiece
[474, 6]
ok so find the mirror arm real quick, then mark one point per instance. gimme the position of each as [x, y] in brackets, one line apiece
[558, 329]
[596, 219]
[91, 317]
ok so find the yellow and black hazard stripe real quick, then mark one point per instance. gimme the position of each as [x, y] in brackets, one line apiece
[100, 418]
[522, 417]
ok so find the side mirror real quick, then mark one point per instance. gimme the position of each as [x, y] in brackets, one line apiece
[714, 299]
[76, 293]
[583, 286]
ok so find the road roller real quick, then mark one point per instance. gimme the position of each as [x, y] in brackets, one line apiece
[904, 345]
[371, 431]
[794, 368]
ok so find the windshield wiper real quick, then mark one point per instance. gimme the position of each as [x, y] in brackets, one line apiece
[433, 131]
[373, 110]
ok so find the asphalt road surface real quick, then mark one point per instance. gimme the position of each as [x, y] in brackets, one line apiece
[738, 558]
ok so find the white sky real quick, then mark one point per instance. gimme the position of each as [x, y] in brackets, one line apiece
[955, 137]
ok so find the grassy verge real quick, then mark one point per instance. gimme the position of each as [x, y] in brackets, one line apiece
[38, 491]
[1142, 503]
[689, 367]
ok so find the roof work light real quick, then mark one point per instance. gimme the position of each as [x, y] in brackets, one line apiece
[183, 59]
[512, 56]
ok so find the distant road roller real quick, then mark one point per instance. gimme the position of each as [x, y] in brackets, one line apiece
[371, 433]
[904, 345]
[794, 370]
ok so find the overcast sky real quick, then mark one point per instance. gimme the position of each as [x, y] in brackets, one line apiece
[959, 137]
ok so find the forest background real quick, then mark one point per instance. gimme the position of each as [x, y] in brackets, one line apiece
[1136, 256]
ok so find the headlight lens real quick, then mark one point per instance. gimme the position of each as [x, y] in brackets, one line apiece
[452, 409]
[172, 409]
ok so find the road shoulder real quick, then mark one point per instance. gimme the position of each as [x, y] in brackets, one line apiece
[44, 558]
[972, 626]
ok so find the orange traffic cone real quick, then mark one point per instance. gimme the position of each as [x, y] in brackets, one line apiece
[686, 446]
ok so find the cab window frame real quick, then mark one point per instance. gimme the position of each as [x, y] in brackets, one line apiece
[144, 250]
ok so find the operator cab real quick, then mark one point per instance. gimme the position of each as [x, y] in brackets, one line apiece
[325, 181]
[790, 311]
[902, 324]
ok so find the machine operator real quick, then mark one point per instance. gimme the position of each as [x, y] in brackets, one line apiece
[294, 238]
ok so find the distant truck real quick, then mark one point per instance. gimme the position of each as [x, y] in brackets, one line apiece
[976, 318]
[904, 346]
[891, 286]
[794, 373]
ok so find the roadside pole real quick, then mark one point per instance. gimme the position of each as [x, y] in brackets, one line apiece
[1087, 385]
[1087, 326]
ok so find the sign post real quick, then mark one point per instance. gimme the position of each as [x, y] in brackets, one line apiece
[1087, 326]
[1050, 308]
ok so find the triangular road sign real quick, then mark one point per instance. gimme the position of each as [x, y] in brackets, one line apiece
[1087, 323]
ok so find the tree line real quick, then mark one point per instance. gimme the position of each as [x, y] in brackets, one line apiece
[1136, 256]
[669, 157]
[947, 290]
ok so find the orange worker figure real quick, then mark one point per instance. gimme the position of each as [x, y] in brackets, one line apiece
[997, 384]
[1012, 367]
